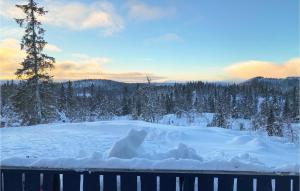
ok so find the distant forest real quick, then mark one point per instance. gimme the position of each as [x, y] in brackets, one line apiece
[270, 104]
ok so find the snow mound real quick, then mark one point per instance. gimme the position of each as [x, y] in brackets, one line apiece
[240, 140]
[127, 147]
[182, 152]
[257, 143]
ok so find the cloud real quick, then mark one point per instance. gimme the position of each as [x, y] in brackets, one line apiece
[10, 56]
[253, 68]
[9, 32]
[80, 66]
[9, 10]
[170, 37]
[85, 67]
[52, 48]
[132, 77]
[81, 69]
[74, 15]
[144, 12]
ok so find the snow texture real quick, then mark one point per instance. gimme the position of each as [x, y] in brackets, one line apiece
[127, 147]
[141, 145]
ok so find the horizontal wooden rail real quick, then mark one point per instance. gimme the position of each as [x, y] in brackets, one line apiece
[61, 179]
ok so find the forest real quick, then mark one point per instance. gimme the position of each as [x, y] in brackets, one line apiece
[271, 104]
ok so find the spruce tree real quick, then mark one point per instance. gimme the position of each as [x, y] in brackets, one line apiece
[271, 123]
[125, 104]
[34, 98]
[295, 104]
[286, 114]
[62, 99]
[70, 102]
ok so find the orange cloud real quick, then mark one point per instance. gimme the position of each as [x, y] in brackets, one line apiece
[10, 56]
[79, 67]
[249, 69]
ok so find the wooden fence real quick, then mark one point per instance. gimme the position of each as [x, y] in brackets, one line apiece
[41, 179]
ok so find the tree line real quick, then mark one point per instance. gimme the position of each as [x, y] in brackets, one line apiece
[268, 107]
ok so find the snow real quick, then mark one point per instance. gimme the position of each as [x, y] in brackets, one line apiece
[141, 145]
[128, 146]
[187, 119]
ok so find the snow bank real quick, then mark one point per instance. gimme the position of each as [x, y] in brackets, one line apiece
[181, 152]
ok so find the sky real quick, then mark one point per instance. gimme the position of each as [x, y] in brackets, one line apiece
[168, 40]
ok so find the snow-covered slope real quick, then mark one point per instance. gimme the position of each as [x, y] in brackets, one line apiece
[137, 144]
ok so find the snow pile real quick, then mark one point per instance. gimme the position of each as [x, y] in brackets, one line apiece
[182, 152]
[127, 147]
[141, 145]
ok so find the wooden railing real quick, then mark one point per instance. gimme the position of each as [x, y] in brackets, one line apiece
[46, 179]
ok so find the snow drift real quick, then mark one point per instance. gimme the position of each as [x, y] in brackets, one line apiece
[137, 144]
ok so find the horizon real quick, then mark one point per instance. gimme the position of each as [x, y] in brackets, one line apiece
[168, 41]
[163, 82]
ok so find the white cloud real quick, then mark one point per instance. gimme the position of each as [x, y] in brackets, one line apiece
[73, 15]
[9, 32]
[52, 48]
[8, 9]
[79, 16]
[142, 11]
[170, 37]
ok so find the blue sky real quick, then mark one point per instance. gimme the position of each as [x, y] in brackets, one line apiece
[170, 39]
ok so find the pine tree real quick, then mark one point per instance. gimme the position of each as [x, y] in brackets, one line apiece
[62, 99]
[295, 104]
[220, 117]
[92, 103]
[34, 98]
[70, 102]
[286, 109]
[234, 109]
[169, 104]
[125, 104]
[270, 123]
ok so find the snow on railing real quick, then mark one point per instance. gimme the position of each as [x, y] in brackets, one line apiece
[49, 179]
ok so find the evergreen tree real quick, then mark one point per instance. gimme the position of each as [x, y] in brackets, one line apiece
[92, 104]
[234, 110]
[286, 110]
[270, 123]
[34, 98]
[62, 99]
[220, 117]
[70, 102]
[295, 103]
[125, 102]
[169, 104]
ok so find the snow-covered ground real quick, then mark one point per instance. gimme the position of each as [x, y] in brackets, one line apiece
[137, 144]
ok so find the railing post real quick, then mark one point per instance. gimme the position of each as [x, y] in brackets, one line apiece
[56, 182]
